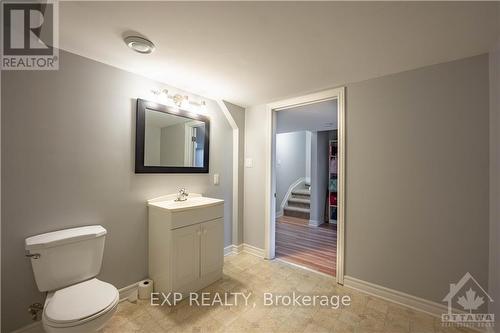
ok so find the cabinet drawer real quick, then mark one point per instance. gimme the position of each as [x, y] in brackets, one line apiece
[193, 216]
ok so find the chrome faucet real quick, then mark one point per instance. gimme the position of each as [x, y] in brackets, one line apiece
[182, 195]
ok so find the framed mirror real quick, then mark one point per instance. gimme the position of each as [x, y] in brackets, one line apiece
[170, 140]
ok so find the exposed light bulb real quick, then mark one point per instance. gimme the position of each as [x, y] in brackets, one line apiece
[178, 99]
[185, 102]
[203, 107]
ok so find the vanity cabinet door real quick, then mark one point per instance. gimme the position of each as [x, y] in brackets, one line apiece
[212, 247]
[186, 257]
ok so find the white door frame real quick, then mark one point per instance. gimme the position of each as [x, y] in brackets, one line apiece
[270, 211]
[188, 145]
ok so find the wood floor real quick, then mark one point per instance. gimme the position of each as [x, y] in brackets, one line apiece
[312, 247]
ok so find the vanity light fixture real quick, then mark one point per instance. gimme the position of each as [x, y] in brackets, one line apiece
[179, 101]
[140, 44]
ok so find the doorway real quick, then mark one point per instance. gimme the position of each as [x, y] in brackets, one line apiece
[195, 141]
[319, 225]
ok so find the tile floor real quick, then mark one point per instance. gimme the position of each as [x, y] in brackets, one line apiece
[247, 273]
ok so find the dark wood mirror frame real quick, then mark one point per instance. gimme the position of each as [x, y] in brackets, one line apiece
[140, 131]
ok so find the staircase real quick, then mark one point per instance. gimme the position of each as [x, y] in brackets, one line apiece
[298, 204]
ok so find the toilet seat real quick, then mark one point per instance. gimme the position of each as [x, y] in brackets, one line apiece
[80, 303]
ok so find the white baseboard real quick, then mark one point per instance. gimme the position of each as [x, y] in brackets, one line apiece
[253, 250]
[233, 249]
[230, 249]
[129, 293]
[407, 300]
[413, 302]
[314, 223]
[236, 249]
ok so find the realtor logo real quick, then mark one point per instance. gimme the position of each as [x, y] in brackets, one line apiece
[472, 299]
[30, 36]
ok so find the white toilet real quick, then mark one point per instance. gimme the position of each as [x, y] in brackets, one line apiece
[65, 264]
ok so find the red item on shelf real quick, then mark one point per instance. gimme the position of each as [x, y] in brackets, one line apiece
[333, 199]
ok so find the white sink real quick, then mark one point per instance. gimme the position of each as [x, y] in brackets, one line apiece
[193, 201]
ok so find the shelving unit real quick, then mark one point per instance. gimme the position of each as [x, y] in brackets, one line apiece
[332, 181]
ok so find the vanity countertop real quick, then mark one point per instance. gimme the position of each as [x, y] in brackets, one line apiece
[193, 201]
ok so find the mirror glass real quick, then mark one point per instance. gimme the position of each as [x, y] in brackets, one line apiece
[173, 141]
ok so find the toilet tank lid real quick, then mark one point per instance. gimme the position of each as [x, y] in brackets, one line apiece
[59, 237]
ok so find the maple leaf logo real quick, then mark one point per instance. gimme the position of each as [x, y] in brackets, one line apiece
[470, 301]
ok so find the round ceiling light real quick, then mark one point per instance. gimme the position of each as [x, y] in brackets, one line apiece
[140, 44]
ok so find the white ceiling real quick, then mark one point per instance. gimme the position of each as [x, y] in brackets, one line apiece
[250, 53]
[320, 116]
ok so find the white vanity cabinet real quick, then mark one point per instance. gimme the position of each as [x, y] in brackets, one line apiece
[186, 243]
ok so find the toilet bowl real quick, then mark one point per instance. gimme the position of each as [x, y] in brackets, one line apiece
[83, 307]
[65, 264]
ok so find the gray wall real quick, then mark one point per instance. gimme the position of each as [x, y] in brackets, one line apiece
[417, 178]
[68, 160]
[255, 176]
[238, 114]
[319, 176]
[173, 144]
[290, 162]
[494, 269]
[152, 146]
[0, 209]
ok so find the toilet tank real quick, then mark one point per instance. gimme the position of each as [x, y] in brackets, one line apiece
[65, 257]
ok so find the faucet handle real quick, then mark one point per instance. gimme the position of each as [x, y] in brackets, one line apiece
[182, 195]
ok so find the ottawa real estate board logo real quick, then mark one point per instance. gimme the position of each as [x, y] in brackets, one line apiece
[468, 305]
[30, 35]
